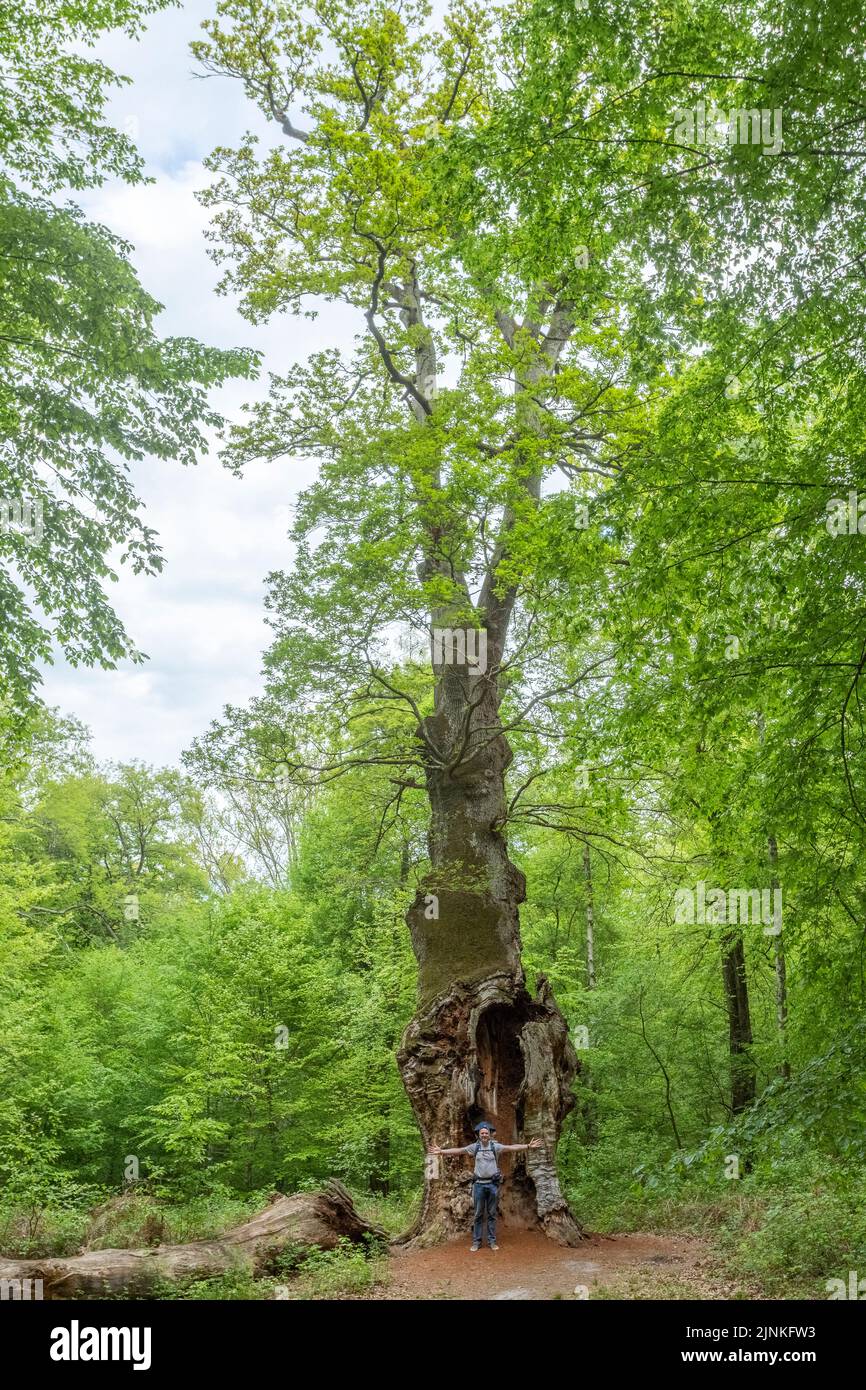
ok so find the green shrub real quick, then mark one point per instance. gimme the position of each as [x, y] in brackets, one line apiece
[234, 1286]
[347, 1269]
[805, 1238]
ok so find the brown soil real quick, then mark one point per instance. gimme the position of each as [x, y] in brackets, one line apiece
[529, 1266]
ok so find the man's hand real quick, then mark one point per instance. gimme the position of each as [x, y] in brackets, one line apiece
[434, 1150]
[534, 1144]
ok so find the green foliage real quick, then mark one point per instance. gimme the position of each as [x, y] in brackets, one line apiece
[805, 1238]
[87, 385]
[349, 1269]
[52, 127]
[228, 1045]
[236, 1285]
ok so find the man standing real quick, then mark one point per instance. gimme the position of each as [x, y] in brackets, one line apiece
[485, 1187]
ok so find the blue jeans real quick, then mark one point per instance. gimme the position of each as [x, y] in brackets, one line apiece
[485, 1196]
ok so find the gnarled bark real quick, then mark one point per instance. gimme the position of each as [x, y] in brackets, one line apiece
[488, 1050]
[308, 1218]
[479, 1046]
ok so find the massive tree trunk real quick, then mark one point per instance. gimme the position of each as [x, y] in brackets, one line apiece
[479, 1045]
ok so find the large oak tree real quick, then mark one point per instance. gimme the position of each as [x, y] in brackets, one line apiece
[491, 358]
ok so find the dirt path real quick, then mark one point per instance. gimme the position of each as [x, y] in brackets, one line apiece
[529, 1266]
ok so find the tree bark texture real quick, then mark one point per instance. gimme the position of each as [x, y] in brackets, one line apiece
[480, 1046]
[739, 1022]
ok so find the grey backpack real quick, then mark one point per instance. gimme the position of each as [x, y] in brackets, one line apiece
[496, 1176]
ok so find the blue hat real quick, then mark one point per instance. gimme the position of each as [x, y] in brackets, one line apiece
[485, 1124]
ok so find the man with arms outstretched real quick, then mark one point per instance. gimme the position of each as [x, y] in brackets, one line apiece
[485, 1186]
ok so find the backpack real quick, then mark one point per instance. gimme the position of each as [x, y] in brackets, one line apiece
[497, 1177]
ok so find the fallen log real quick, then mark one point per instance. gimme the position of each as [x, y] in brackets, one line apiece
[308, 1218]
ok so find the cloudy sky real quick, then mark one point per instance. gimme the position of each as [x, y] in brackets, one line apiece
[201, 621]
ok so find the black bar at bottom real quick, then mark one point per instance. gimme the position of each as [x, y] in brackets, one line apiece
[62, 1339]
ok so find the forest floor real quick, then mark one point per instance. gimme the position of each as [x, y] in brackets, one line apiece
[529, 1266]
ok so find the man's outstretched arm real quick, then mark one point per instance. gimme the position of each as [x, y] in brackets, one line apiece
[510, 1148]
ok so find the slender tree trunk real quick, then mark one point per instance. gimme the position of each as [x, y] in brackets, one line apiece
[739, 1021]
[590, 919]
[778, 948]
[589, 1108]
[780, 968]
[480, 1046]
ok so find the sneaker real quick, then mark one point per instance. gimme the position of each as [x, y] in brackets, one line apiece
[494, 1246]
[473, 1248]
